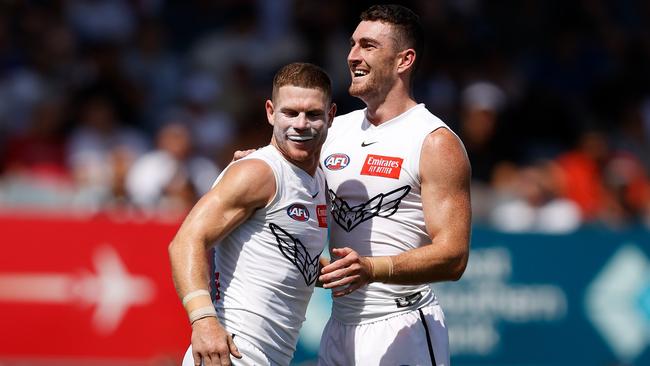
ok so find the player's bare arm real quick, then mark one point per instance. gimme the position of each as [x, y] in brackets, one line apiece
[246, 186]
[445, 177]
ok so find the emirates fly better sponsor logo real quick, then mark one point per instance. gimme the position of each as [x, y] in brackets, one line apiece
[298, 212]
[337, 161]
[321, 213]
[382, 166]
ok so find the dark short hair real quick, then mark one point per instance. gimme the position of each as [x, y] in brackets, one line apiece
[304, 75]
[406, 23]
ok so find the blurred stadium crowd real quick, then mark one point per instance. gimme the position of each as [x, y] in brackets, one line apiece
[135, 105]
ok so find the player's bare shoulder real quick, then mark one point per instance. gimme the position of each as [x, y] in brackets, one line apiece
[251, 181]
[444, 152]
[443, 139]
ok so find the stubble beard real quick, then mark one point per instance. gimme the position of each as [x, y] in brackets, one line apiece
[373, 88]
[366, 87]
[360, 90]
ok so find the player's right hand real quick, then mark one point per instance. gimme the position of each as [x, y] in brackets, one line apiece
[212, 344]
[347, 274]
[239, 154]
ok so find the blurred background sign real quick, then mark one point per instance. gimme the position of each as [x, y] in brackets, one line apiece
[82, 289]
[578, 299]
[532, 299]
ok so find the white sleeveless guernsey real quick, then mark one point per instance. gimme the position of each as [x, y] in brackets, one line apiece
[267, 267]
[376, 208]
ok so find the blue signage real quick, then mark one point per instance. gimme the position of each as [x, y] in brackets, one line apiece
[530, 299]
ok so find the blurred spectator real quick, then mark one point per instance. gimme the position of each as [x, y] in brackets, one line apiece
[55, 56]
[242, 42]
[633, 132]
[531, 202]
[440, 96]
[481, 104]
[101, 20]
[241, 93]
[92, 145]
[35, 172]
[172, 177]
[37, 61]
[103, 73]
[39, 152]
[333, 45]
[582, 169]
[519, 82]
[629, 187]
[609, 185]
[150, 64]
[274, 18]
[212, 128]
[20, 92]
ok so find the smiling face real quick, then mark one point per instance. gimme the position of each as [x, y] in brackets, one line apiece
[373, 60]
[300, 118]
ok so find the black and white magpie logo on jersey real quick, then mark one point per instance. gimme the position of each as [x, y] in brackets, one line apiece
[296, 253]
[382, 205]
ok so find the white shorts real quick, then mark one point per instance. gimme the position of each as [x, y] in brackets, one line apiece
[251, 355]
[415, 338]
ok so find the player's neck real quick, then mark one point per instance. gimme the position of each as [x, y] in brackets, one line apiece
[309, 165]
[390, 106]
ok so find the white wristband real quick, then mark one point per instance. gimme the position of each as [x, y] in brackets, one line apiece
[194, 294]
[204, 312]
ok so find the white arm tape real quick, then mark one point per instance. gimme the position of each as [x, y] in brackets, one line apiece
[194, 294]
[204, 312]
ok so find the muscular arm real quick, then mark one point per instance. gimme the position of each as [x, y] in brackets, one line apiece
[445, 178]
[245, 187]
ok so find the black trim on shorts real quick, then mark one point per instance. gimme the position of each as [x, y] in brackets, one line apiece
[426, 331]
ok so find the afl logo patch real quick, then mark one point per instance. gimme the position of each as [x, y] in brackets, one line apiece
[298, 212]
[337, 161]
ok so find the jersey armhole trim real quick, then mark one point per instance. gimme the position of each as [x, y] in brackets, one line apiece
[419, 151]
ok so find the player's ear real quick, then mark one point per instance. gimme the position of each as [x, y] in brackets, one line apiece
[406, 60]
[330, 114]
[269, 111]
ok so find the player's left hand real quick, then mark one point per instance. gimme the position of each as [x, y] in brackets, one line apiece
[350, 272]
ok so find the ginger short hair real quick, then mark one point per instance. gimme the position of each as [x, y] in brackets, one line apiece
[304, 75]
